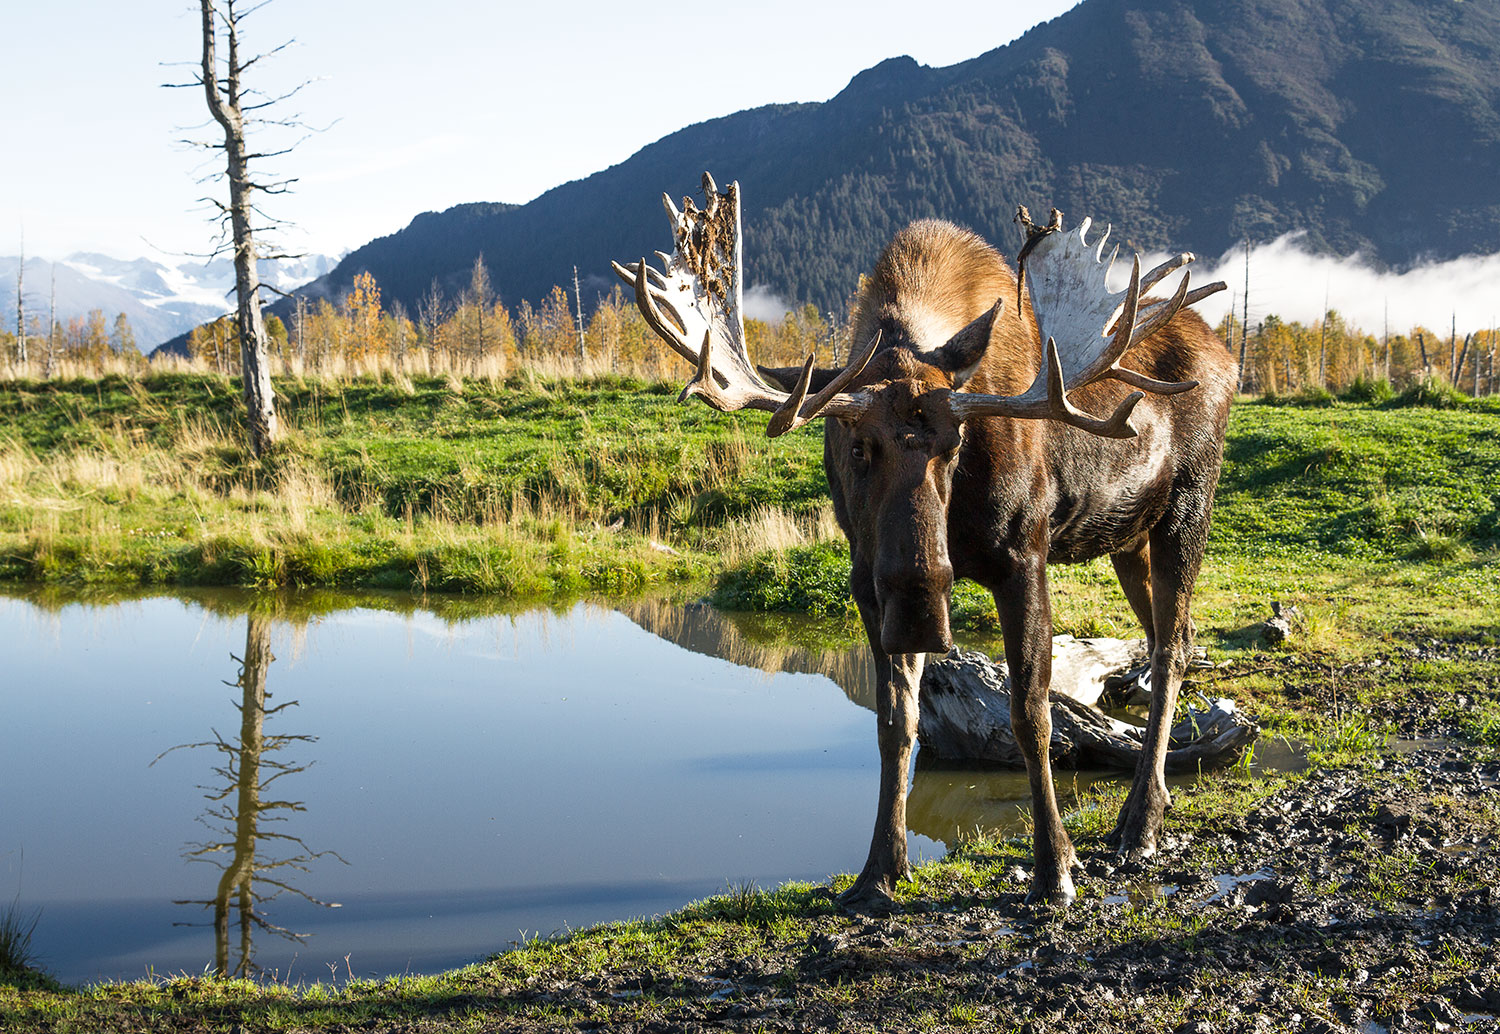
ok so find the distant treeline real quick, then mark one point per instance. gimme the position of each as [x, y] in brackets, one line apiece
[1280, 357]
[476, 334]
[80, 340]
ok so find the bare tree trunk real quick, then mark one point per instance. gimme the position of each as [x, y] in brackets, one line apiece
[1453, 351]
[49, 366]
[578, 304]
[21, 307]
[1463, 357]
[224, 104]
[1245, 322]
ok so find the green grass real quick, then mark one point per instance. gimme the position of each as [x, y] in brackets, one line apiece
[528, 488]
[537, 487]
[1376, 519]
[19, 965]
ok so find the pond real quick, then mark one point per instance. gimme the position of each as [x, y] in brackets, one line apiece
[189, 781]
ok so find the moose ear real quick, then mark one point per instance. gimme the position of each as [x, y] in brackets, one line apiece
[962, 353]
[785, 377]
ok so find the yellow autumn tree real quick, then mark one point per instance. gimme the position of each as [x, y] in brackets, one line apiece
[366, 335]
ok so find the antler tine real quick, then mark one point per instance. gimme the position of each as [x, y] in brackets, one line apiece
[1116, 425]
[790, 415]
[1160, 313]
[647, 304]
[1197, 294]
[1171, 265]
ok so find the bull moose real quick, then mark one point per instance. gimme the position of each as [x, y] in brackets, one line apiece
[961, 442]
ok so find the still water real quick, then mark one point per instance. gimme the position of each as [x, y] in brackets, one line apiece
[188, 782]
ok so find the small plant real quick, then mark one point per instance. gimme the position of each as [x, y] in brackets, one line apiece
[1349, 738]
[963, 1014]
[1435, 544]
[1433, 392]
[17, 959]
[1312, 395]
[1369, 389]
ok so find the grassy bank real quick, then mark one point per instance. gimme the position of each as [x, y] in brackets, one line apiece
[535, 487]
[527, 488]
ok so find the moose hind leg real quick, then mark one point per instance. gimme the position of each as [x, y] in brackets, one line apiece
[898, 678]
[1177, 552]
[1133, 568]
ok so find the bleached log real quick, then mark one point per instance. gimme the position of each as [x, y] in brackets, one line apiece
[965, 716]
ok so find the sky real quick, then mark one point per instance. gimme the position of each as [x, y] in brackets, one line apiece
[420, 106]
[424, 106]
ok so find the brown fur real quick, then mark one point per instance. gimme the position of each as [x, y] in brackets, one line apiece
[924, 499]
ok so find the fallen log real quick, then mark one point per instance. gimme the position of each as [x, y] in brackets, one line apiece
[965, 716]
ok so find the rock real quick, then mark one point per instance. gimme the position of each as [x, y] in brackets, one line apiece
[1285, 620]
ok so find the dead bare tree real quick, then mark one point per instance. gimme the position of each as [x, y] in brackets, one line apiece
[237, 109]
[21, 305]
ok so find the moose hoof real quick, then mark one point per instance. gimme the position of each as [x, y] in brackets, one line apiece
[870, 895]
[1134, 838]
[1060, 896]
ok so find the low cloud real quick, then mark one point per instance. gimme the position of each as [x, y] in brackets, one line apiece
[1290, 283]
[761, 303]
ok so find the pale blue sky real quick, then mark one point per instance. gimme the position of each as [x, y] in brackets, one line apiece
[437, 103]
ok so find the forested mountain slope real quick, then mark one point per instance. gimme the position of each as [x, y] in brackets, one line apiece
[1189, 124]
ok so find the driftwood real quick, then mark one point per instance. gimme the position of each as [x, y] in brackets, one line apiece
[965, 716]
[1082, 667]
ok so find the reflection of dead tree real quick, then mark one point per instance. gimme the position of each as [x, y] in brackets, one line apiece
[240, 810]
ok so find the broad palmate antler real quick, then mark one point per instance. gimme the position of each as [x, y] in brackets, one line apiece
[1074, 311]
[699, 298]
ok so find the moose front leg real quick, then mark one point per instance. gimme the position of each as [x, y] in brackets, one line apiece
[896, 700]
[1026, 621]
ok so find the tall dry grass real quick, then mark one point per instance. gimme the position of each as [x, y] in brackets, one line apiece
[772, 528]
[383, 368]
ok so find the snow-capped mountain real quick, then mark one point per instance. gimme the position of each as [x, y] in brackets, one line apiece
[161, 301]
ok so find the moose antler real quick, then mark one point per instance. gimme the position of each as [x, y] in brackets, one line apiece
[1072, 304]
[699, 298]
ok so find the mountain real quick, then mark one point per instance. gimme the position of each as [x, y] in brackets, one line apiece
[1369, 125]
[161, 301]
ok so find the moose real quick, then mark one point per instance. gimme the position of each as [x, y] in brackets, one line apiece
[960, 442]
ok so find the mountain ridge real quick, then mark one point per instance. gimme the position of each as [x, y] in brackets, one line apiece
[1369, 125]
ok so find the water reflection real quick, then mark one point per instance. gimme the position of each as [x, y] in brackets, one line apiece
[550, 769]
[764, 642]
[256, 858]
